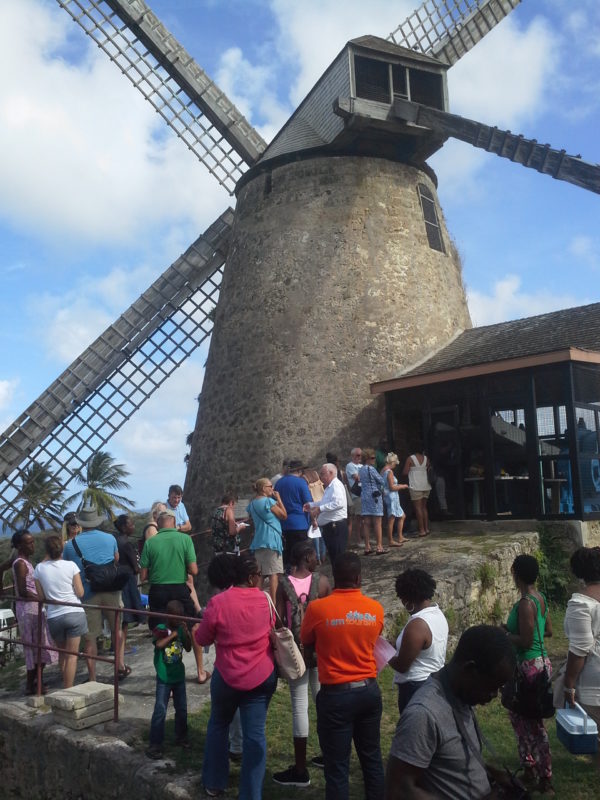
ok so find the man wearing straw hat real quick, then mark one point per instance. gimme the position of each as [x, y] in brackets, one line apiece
[96, 547]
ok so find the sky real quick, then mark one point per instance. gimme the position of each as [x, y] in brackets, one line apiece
[97, 198]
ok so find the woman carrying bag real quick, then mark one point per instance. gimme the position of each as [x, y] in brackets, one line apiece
[527, 625]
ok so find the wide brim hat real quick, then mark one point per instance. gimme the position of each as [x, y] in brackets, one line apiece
[89, 517]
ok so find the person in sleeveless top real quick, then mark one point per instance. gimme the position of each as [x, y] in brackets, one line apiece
[527, 625]
[421, 645]
[392, 500]
[294, 593]
[415, 467]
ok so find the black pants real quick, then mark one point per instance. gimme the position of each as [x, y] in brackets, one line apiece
[290, 538]
[335, 535]
[161, 593]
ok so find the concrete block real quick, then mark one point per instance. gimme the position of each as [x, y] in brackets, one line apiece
[36, 702]
[85, 694]
[87, 711]
[64, 718]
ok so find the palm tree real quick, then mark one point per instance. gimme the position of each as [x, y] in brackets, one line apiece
[102, 477]
[41, 499]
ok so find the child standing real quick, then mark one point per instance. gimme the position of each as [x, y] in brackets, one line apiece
[170, 640]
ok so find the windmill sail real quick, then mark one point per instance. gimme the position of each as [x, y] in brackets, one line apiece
[169, 78]
[447, 29]
[528, 152]
[116, 374]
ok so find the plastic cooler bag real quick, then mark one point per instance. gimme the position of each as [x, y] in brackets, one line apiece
[576, 730]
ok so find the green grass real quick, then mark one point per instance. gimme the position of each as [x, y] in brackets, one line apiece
[575, 777]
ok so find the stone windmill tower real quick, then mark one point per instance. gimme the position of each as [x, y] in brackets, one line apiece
[335, 267]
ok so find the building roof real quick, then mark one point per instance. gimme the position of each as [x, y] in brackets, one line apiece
[380, 46]
[570, 334]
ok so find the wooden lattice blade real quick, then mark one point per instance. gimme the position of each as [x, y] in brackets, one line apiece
[94, 397]
[169, 78]
[447, 29]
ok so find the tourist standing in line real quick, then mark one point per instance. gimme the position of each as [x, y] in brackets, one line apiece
[224, 528]
[421, 645]
[436, 749]
[528, 624]
[170, 640]
[415, 467]
[27, 611]
[294, 493]
[267, 511]
[331, 512]
[57, 579]
[354, 487]
[167, 560]
[343, 629]
[392, 500]
[238, 621]
[371, 500]
[183, 524]
[294, 593]
[582, 627]
[97, 547]
[130, 594]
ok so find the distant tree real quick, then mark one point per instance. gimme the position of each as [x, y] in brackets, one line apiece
[102, 478]
[41, 499]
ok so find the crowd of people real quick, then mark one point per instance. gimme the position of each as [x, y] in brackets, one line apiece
[437, 747]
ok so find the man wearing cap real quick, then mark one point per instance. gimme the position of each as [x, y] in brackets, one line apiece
[175, 503]
[294, 493]
[96, 547]
[166, 561]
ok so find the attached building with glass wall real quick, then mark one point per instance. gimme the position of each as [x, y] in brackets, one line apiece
[510, 417]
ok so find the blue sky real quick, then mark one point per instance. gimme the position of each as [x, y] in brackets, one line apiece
[97, 199]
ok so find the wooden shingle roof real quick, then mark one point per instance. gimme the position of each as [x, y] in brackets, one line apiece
[557, 336]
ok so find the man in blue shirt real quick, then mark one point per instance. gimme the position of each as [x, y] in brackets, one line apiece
[175, 503]
[294, 493]
[96, 547]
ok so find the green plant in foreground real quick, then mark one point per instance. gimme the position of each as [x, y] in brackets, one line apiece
[553, 560]
[486, 575]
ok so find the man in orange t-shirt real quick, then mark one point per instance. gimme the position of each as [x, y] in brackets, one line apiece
[343, 629]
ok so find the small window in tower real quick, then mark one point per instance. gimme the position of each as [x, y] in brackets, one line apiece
[432, 224]
[372, 79]
[426, 88]
[399, 81]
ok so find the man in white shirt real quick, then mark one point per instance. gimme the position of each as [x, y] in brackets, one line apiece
[331, 512]
[352, 479]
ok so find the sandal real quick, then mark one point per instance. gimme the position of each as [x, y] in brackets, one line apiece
[367, 552]
[381, 552]
[123, 673]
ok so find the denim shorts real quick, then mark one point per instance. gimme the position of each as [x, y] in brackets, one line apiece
[68, 626]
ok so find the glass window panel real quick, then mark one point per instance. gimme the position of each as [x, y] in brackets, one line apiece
[511, 472]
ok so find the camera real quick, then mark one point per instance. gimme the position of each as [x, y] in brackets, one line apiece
[376, 494]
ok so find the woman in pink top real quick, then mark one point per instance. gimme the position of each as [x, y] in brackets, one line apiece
[238, 621]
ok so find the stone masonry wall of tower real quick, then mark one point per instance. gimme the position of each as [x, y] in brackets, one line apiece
[330, 284]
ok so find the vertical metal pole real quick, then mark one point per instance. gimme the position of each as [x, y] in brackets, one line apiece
[116, 666]
[39, 648]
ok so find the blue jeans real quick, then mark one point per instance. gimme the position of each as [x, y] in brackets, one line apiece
[253, 705]
[320, 549]
[157, 724]
[343, 715]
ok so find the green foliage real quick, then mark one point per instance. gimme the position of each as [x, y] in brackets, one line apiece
[399, 620]
[486, 575]
[497, 613]
[553, 560]
[40, 500]
[452, 620]
[102, 478]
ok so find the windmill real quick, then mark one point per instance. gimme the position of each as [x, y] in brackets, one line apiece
[272, 384]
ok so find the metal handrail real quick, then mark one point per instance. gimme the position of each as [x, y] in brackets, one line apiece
[106, 659]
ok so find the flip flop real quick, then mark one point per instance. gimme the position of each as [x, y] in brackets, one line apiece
[208, 676]
[123, 673]
[396, 544]
[423, 535]
[367, 552]
[381, 552]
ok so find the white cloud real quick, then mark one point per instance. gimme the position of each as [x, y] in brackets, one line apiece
[586, 250]
[61, 121]
[7, 391]
[72, 320]
[508, 301]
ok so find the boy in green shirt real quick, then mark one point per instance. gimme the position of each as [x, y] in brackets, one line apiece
[170, 641]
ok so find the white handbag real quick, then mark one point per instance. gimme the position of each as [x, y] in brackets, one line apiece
[288, 657]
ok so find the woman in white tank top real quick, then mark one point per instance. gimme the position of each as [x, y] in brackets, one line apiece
[421, 645]
[415, 467]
